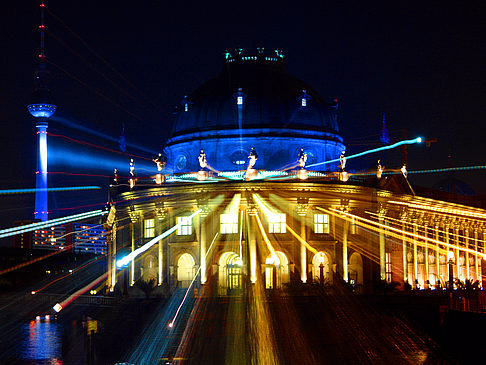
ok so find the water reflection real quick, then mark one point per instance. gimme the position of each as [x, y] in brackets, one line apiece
[42, 341]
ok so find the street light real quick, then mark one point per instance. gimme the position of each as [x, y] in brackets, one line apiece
[450, 256]
[321, 269]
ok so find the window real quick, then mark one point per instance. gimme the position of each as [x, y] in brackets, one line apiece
[276, 223]
[239, 100]
[321, 223]
[184, 226]
[388, 269]
[304, 102]
[149, 228]
[229, 223]
[186, 107]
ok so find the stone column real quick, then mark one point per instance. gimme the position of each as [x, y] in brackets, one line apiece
[345, 250]
[381, 216]
[202, 247]
[132, 263]
[415, 252]
[252, 226]
[302, 209]
[161, 214]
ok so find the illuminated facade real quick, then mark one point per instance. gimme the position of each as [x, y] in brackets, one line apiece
[228, 229]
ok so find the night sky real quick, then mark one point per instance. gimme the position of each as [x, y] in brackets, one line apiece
[129, 63]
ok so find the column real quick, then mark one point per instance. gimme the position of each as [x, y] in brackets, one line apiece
[427, 277]
[303, 252]
[345, 250]
[477, 276]
[132, 263]
[415, 253]
[437, 254]
[113, 257]
[202, 246]
[466, 237]
[404, 248]
[252, 244]
[382, 248]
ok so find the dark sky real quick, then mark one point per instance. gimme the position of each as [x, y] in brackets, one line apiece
[420, 63]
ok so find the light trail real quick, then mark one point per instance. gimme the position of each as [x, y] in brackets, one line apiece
[301, 240]
[265, 238]
[50, 223]
[401, 234]
[171, 324]
[65, 276]
[97, 146]
[59, 306]
[440, 209]
[407, 141]
[69, 188]
[125, 260]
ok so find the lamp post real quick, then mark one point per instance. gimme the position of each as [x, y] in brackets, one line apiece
[450, 256]
[321, 269]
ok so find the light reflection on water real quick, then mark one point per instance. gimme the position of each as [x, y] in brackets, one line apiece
[42, 340]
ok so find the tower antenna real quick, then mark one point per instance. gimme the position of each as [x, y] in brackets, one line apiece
[41, 107]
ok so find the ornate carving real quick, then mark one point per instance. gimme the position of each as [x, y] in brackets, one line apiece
[302, 206]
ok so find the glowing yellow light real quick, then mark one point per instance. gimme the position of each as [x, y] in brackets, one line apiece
[450, 256]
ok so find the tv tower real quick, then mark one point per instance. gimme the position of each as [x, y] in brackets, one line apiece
[41, 107]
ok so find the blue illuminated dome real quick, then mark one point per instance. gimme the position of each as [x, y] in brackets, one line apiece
[254, 102]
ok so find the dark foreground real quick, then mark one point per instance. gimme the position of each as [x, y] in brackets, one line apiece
[318, 326]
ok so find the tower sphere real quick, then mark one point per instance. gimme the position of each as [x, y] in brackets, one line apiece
[41, 102]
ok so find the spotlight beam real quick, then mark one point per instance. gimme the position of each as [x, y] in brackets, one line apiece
[50, 223]
[69, 188]
[124, 261]
[407, 141]
[171, 324]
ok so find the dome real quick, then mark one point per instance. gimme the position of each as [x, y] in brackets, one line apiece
[253, 102]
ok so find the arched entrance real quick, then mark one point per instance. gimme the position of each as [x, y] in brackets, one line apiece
[355, 269]
[230, 274]
[185, 269]
[276, 270]
[321, 258]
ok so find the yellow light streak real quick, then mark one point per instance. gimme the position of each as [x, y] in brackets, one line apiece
[265, 238]
[440, 209]
[309, 247]
[400, 234]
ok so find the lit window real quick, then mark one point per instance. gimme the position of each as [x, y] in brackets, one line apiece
[276, 223]
[229, 223]
[304, 102]
[239, 100]
[186, 107]
[149, 228]
[388, 269]
[321, 223]
[184, 227]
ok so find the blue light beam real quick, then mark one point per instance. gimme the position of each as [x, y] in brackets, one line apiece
[68, 188]
[408, 141]
[7, 232]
